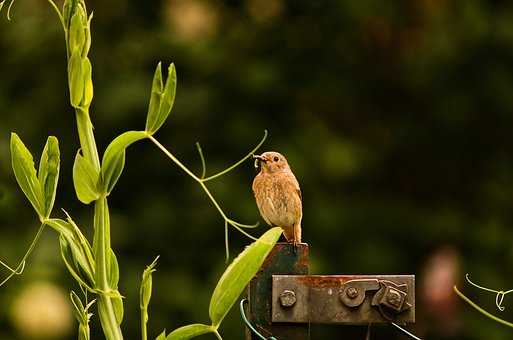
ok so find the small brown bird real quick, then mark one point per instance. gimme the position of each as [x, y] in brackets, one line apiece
[278, 196]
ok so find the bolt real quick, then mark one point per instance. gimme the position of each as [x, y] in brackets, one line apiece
[394, 298]
[352, 292]
[287, 298]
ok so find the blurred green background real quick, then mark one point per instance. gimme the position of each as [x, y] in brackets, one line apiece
[396, 117]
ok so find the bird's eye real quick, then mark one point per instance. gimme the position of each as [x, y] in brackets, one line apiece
[276, 158]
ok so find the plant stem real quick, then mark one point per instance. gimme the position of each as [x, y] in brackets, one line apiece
[21, 265]
[101, 247]
[218, 336]
[86, 136]
[144, 331]
[201, 182]
[174, 159]
[481, 310]
[239, 162]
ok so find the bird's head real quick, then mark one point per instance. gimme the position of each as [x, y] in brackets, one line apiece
[272, 161]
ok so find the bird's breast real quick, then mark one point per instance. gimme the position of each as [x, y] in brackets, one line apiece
[277, 198]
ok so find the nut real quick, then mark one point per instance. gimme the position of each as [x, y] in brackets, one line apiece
[394, 298]
[287, 298]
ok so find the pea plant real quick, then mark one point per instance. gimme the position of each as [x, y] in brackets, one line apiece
[93, 265]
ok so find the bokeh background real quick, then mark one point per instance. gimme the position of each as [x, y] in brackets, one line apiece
[396, 116]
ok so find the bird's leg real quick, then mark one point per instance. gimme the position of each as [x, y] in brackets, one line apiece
[296, 239]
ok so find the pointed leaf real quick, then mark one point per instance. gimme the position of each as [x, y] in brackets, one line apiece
[78, 308]
[114, 158]
[75, 79]
[61, 226]
[189, 332]
[87, 77]
[167, 99]
[67, 257]
[48, 174]
[162, 336]
[239, 273]
[155, 98]
[76, 31]
[25, 173]
[75, 253]
[146, 285]
[117, 304]
[113, 275]
[113, 279]
[85, 179]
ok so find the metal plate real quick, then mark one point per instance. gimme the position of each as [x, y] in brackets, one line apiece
[317, 300]
[283, 259]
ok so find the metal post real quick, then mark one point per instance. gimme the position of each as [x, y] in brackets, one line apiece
[285, 260]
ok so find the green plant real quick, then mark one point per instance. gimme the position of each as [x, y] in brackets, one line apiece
[499, 299]
[94, 265]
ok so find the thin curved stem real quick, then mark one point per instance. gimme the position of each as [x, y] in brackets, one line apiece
[21, 266]
[7, 266]
[219, 174]
[218, 336]
[236, 225]
[411, 335]
[203, 165]
[499, 298]
[227, 249]
[249, 226]
[242, 231]
[8, 8]
[173, 158]
[481, 310]
[56, 9]
[248, 324]
[467, 277]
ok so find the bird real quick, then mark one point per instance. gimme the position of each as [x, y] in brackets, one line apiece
[278, 195]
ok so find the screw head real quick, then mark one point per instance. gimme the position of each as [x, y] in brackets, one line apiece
[287, 298]
[352, 292]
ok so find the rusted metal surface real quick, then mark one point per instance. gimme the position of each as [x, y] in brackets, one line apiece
[282, 260]
[345, 299]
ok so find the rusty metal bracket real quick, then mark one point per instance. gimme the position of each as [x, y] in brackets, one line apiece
[343, 299]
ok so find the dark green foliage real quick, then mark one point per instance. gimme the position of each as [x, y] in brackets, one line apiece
[396, 117]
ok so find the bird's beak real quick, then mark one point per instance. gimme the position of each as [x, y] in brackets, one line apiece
[260, 158]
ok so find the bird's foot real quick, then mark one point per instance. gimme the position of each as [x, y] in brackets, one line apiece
[294, 247]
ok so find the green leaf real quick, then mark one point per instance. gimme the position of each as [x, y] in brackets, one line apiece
[87, 78]
[156, 118]
[78, 308]
[155, 98]
[87, 44]
[114, 158]
[162, 336]
[113, 274]
[239, 273]
[48, 174]
[117, 304]
[83, 332]
[82, 316]
[85, 179]
[113, 280]
[190, 331]
[76, 79]
[61, 226]
[67, 257]
[146, 285]
[75, 250]
[25, 173]
[76, 32]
